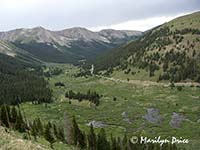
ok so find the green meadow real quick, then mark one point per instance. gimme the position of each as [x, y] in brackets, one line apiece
[130, 98]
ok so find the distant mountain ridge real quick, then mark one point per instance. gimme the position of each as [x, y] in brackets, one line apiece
[76, 33]
[69, 45]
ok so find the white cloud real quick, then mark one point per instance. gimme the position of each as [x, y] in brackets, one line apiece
[140, 25]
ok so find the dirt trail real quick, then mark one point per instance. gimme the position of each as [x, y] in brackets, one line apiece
[148, 83]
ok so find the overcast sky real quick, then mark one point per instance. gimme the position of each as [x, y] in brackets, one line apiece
[92, 14]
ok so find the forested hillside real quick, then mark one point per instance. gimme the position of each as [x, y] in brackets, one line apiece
[21, 81]
[171, 51]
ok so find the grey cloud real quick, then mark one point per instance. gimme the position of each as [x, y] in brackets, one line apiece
[57, 14]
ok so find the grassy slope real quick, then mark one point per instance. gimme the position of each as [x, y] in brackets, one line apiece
[180, 23]
[134, 99]
[140, 74]
[13, 141]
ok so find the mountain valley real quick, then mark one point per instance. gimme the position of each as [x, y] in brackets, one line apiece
[76, 89]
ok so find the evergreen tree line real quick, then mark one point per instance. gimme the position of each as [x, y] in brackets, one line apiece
[70, 133]
[100, 141]
[20, 82]
[92, 96]
[187, 30]
[13, 117]
[53, 71]
[22, 87]
[178, 66]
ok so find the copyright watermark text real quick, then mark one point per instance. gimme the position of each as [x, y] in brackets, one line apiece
[158, 140]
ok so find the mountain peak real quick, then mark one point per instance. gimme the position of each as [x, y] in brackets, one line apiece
[80, 33]
[38, 28]
[78, 28]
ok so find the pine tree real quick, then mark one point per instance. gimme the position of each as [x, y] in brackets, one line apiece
[55, 131]
[102, 142]
[14, 115]
[40, 126]
[75, 131]
[113, 143]
[125, 142]
[119, 143]
[92, 139]
[34, 130]
[78, 136]
[82, 140]
[61, 135]
[48, 134]
[20, 125]
[4, 116]
[8, 113]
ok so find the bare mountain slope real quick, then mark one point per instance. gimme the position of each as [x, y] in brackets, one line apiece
[69, 45]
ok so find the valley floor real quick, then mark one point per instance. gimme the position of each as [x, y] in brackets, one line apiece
[133, 107]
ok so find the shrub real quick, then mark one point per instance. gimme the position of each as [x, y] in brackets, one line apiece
[59, 84]
[114, 98]
[179, 88]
